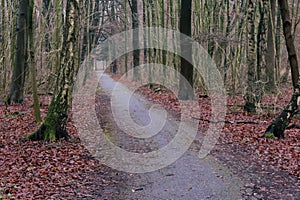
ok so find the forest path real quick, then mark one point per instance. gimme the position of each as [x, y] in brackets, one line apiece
[189, 177]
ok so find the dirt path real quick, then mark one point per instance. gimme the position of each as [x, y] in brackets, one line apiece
[187, 178]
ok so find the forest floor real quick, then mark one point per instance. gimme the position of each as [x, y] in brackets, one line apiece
[266, 168]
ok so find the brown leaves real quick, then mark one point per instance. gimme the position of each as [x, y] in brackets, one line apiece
[281, 154]
[39, 170]
[61, 169]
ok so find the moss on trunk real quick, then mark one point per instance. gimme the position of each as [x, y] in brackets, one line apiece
[54, 126]
[51, 129]
[279, 125]
[48, 133]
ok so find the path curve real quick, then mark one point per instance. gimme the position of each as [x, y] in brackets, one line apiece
[187, 178]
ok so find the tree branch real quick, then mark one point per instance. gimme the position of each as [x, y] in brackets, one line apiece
[226, 121]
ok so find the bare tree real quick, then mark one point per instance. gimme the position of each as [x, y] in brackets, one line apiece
[55, 123]
[252, 96]
[270, 54]
[278, 126]
[16, 92]
[31, 57]
[186, 69]
[135, 36]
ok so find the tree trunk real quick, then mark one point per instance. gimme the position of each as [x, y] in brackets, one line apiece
[278, 45]
[251, 96]
[36, 105]
[54, 126]
[278, 126]
[126, 39]
[270, 56]
[135, 41]
[55, 44]
[144, 32]
[16, 93]
[3, 60]
[262, 37]
[186, 69]
[46, 13]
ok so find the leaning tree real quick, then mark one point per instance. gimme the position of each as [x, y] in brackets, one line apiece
[278, 126]
[55, 122]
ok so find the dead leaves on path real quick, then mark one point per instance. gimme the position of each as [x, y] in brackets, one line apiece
[281, 154]
[66, 170]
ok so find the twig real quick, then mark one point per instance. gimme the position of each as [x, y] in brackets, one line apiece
[297, 126]
[262, 107]
[226, 121]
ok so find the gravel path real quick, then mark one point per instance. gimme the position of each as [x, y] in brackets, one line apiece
[189, 177]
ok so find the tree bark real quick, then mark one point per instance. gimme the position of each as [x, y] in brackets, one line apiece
[36, 105]
[186, 69]
[252, 98]
[278, 126]
[278, 45]
[135, 41]
[126, 39]
[16, 92]
[262, 37]
[3, 60]
[270, 56]
[54, 126]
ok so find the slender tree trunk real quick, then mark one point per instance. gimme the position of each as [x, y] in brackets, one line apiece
[261, 39]
[46, 12]
[56, 43]
[278, 45]
[278, 126]
[149, 39]
[226, 46]
[250, 97]
[55, 123]
[173, 26]
[36, 106]
[144, 31]
[14, 18]
[270, 56]
[135, 41]
[186, 69]
[95, 20]
[16, 93]
[126, 40]
[88, 36]
[4, 54]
